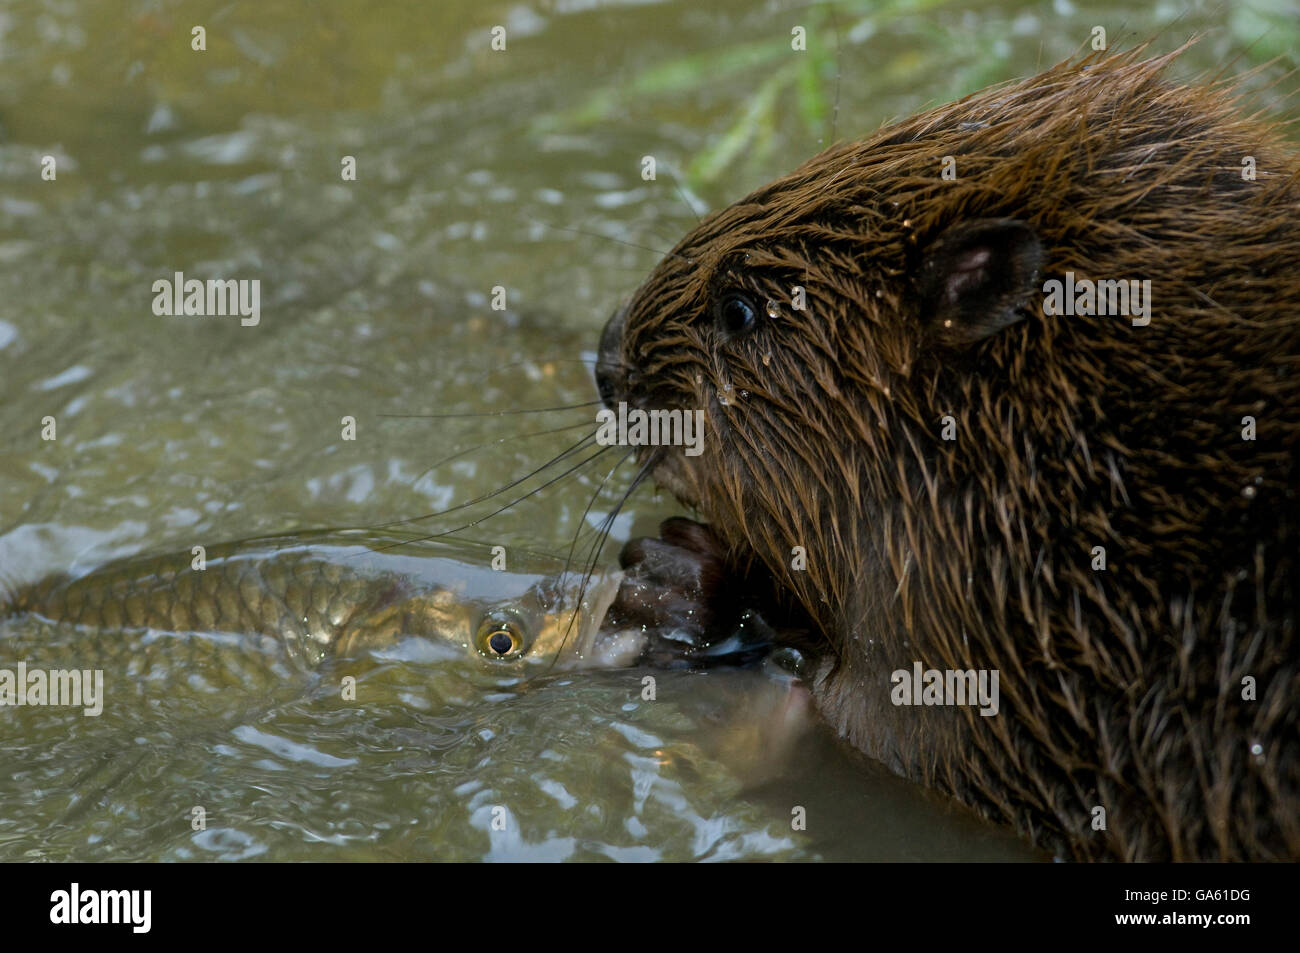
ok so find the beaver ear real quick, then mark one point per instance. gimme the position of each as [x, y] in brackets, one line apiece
[976, 277]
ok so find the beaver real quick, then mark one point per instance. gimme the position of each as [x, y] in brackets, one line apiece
[1096, 507]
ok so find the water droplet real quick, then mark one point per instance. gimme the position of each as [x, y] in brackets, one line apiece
[773, 309]
[767, 360]
[880, 292]
[1257, 749]
[1248, 492]
[787, 659]
[724, 395]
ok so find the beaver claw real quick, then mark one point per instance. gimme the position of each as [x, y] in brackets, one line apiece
[695, 607]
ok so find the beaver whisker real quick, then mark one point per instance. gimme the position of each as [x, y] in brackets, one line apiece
[568, 561]
[495, 413]
[497, 492]
[602, 531]
[540, 360]
[487, 443]
[577, 534]
[619, 241]
[577, 466]
[499, 510]
[496, 512]
[685, 201]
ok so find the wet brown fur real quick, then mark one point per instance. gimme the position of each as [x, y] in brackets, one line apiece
[1119, 688]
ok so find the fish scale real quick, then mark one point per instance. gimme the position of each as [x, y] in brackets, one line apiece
[307, 597]
[303, 600]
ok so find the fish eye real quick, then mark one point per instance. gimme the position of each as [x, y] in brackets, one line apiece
[736, 314]
[500, 637]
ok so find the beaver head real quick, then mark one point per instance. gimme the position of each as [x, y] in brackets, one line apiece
[944, 470]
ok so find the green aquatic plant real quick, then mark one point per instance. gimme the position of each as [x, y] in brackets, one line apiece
[809, 76]
[898, 55]
[802, 84]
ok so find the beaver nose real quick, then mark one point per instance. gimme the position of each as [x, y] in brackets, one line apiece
[609, 359]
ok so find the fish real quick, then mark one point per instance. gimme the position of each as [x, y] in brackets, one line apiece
[312, 597]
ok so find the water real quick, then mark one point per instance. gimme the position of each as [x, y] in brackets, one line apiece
[474, 170]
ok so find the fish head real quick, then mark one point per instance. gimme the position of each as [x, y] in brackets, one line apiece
[557, 622]
[509, 621]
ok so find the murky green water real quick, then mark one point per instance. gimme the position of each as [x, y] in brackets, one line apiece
[474, 169]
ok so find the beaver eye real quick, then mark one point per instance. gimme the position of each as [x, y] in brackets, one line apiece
[500, 637]
[736, 314]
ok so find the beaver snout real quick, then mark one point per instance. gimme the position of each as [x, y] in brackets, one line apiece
[610, 379]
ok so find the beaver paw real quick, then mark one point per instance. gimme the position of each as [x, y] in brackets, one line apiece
[680, 591]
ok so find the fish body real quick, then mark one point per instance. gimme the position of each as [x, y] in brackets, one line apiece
[340, 593]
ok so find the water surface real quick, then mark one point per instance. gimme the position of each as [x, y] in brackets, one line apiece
[475, 169]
